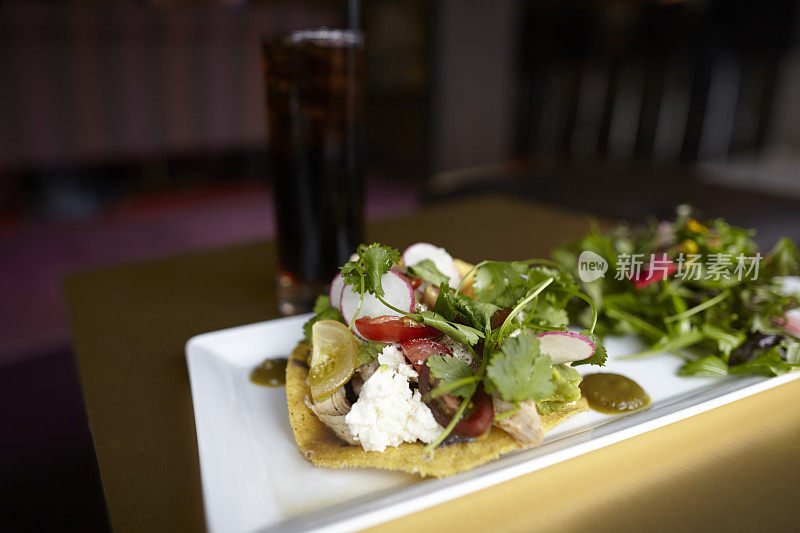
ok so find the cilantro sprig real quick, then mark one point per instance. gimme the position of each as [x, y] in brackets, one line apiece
[519, 371]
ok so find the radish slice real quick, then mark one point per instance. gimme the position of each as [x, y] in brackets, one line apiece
[792, 322]
[565, 346]
[420, 251]
[335, 294]
[398, 292]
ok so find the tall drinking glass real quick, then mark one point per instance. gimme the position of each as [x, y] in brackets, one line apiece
[315, 118]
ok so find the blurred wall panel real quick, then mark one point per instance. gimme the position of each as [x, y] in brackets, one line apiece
[95, 82]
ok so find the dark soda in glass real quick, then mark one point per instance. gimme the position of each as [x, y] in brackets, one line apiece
[315, 118]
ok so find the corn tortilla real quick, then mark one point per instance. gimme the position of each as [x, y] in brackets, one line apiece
[321, 447]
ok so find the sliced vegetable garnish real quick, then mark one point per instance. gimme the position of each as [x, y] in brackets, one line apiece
[565, 346]
[334, 353]
[418, 350]
[398, 300]
[393, 329]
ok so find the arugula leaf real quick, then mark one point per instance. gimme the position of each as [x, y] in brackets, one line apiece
[368, 351]
[783, 259]
[452, 304]
[324, 312]
[599, 356]
[461, 333]
[519, 371]
[768, 363]
[709, 365]
[727, 341]
[445, 304]
[449, 369]
[426, 269]
[792, 350]
[373, 262]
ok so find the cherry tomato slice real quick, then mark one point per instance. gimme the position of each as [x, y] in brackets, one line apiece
[660, 267]
[393, 329]
[477, 418]
[415, 282]
[416, 351]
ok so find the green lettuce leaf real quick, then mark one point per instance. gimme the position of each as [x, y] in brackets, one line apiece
[567, 382]
[427, 270]
[368, 351]
[324, 311]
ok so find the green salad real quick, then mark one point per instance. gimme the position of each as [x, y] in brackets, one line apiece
[697, 289]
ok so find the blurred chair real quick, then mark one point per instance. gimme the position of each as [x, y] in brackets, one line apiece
[662, 82]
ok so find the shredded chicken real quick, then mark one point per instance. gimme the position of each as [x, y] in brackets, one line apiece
[332, 411]
[525, 426]
[363, 373]
[366, 371]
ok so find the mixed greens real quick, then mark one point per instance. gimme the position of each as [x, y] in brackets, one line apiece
[699, 290]
[703, 291]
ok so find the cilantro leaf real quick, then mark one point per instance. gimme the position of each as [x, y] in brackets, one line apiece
[599, 356]
[427, 270]
[373, 262]
[323, 311]
[519, 371]
[500, 282]
[545, 314]
[368, 351]
[449, 369]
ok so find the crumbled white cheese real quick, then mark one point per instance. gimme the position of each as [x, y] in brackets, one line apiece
[387, 412]
[459, 350]
[392, 357]
[420, 307]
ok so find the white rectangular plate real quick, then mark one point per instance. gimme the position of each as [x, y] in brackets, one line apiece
[254, 477]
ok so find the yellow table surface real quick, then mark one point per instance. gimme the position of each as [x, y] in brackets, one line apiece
[734, 468]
